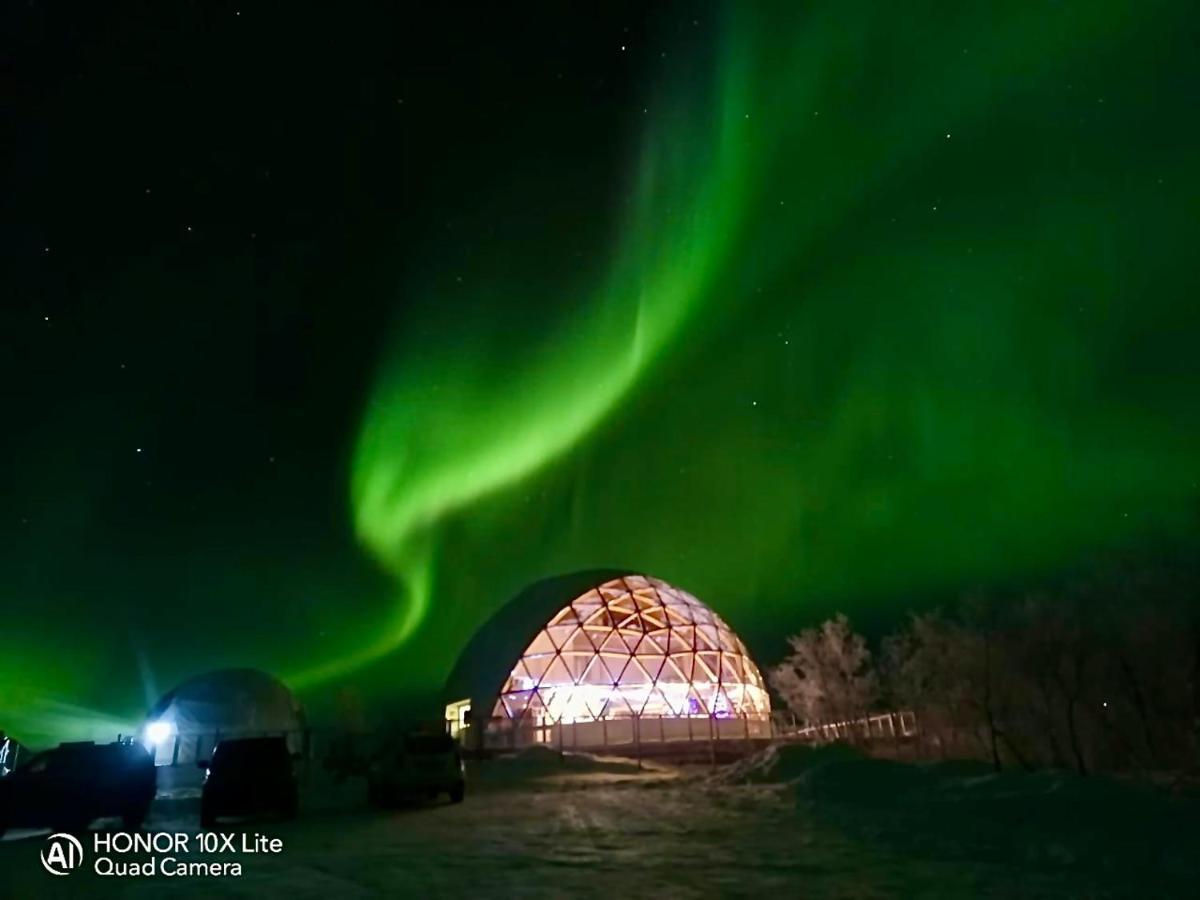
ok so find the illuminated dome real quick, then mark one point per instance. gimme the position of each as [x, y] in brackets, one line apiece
[632, 647]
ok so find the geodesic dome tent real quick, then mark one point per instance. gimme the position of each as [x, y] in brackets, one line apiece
[185, 723]
[627, 659]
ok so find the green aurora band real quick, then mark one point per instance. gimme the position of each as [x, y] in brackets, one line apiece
[424, 454]
[933, 264]
[893, 301]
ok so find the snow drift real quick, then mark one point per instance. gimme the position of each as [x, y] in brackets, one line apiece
[963, 809]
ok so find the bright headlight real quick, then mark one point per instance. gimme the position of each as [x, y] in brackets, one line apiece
[158, 732]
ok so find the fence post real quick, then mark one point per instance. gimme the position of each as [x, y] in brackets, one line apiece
[637, 740]
[712, 744]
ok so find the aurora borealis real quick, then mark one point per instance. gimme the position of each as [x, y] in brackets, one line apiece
[823, 306]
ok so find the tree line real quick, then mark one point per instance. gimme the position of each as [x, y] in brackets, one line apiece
[1102, 674]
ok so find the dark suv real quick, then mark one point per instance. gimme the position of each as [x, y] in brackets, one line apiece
[248, 776]
[418, 766]
[68, 787]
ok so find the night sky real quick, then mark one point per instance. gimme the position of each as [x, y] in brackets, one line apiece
[324, 332]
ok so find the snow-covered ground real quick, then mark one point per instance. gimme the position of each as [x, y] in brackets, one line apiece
[792, 822]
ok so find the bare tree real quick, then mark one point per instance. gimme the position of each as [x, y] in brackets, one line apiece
[960, 675]
[827, 676]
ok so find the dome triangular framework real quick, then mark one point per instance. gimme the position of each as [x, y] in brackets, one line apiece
[633, 646]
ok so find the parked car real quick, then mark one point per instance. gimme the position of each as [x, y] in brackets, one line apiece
[417, 766]
[248, 776]
[67, 788]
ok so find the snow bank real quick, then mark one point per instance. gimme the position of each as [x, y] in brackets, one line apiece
[965, 810]
[783, 764]
[541, 763]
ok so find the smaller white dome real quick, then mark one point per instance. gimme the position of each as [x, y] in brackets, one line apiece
[221, 704]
